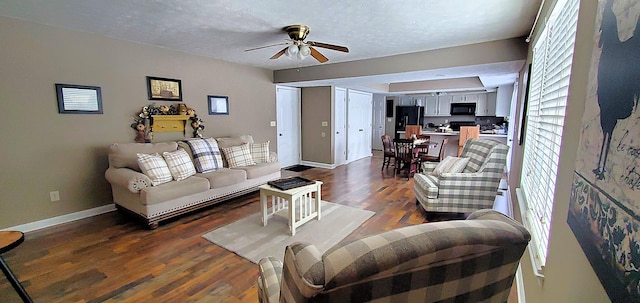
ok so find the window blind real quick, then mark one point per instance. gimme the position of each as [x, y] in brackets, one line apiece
[549, 88]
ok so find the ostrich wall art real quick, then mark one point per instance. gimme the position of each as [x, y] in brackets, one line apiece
[618, 74]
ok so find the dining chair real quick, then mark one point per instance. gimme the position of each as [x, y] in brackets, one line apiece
[406, 158]
[425, 157]
[389, 151]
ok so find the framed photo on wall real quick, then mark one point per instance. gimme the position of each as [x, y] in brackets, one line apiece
[218, 105]
[79, 99]
[164, 89]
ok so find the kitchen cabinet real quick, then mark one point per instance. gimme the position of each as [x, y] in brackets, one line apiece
[486, 104]
[406, 101]
[467, 98]
[438, 106]
[503, 102]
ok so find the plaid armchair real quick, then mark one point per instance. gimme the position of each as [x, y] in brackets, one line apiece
[456, 261]
[472, 189]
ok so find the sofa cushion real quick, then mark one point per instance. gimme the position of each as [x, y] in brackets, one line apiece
[238, 155]
[224, 177]
[205, 153]
[260, 169]
[260, 152]
[173, 190]
[179, 164]
[234, 141]
[125, 154]
[154, 167]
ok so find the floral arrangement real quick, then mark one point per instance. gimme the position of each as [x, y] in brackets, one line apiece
[142, 120]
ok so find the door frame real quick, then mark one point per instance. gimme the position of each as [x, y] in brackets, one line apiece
[337, 158]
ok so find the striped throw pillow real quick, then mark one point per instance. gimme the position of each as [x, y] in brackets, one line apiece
[238, 156]
[450, 165]
[206, 154]
[154, 166]
[179, 164]
[260, 152]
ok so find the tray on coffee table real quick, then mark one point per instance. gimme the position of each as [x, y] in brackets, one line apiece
[289, 183]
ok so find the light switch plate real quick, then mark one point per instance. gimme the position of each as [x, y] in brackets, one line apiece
[272, 123]
[325, 123]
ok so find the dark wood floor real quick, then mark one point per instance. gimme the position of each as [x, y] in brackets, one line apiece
[110, 258]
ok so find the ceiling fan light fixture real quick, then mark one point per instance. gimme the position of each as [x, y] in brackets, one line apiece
[292, 50]
[304, 50]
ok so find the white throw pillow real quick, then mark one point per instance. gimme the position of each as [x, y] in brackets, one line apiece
[154, 166]
[238, 155]
[179, 164]
[260, 152]
[450, 165]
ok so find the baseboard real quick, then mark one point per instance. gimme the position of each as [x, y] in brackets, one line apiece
[62, 219]
[318, 165]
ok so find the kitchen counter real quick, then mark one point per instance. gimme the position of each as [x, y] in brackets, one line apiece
[456, 133]
[452, 146]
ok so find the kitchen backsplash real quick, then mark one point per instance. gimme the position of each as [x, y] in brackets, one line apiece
[484, 122]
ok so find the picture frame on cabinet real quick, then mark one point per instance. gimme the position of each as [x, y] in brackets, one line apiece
[218, 105]
[78, 99]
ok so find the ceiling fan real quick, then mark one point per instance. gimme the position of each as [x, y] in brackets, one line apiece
[300, 48]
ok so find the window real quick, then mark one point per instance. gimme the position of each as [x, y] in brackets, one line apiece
[549, 87]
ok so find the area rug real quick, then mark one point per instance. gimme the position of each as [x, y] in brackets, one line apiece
[249, 239]
[298, 168]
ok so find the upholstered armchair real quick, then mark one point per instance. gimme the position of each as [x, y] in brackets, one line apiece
[472, 189]
[469, 260]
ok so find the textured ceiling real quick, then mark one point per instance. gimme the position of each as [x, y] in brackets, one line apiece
[223, 29]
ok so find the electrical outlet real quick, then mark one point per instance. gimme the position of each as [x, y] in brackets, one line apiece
[54, 196]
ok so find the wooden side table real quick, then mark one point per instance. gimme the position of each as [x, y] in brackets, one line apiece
[296, 204]
[8, 241]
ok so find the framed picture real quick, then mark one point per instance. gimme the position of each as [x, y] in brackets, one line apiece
[79, 99]
[164, 89]
[218, 105]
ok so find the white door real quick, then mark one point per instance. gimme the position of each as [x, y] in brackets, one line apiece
[359, 112]
[378, 122]
[288, 125]
[340, 125]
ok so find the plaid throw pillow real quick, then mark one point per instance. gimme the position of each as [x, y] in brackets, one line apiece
[260, 152]
[238, 156]
[155, 168]
[206, 154]
[179, 164]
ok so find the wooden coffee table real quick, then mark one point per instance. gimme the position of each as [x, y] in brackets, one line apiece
[298, 204]
[8, 241]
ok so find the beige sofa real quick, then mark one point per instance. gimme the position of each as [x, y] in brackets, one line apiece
[133, 191]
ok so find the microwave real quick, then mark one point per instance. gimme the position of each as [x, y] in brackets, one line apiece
[463, 108]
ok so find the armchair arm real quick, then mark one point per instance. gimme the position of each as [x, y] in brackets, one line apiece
[273, 156]
[269, 277]
[428, 167]
[128, 178]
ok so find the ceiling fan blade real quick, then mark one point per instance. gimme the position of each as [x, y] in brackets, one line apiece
[316, 54]
[278, 54]
[261, 47]
[329, 46]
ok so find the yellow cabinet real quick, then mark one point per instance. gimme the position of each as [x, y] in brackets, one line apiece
[170, 123]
